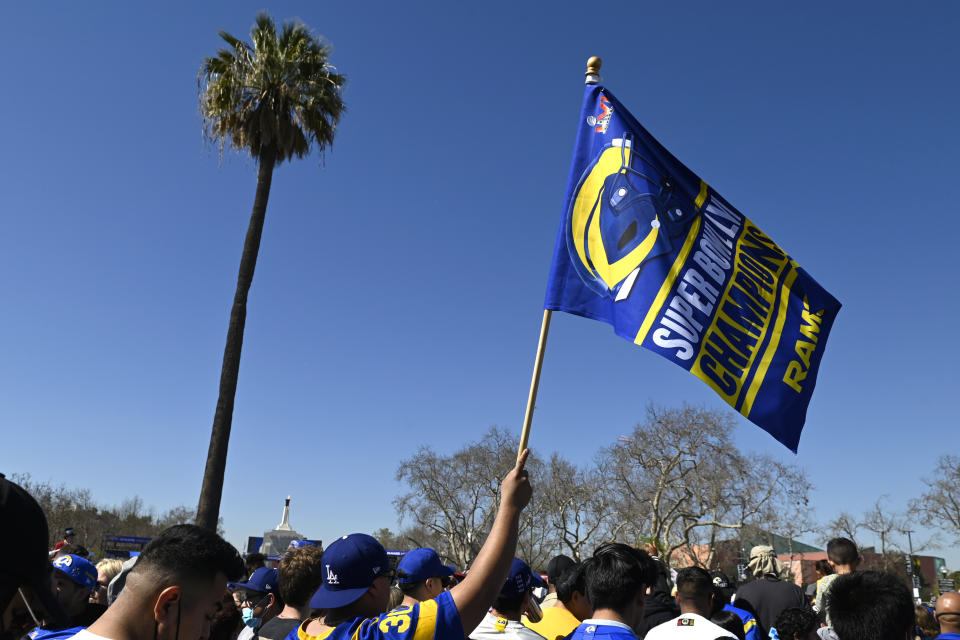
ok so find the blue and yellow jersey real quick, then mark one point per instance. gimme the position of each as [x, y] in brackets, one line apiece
[428, 620]
[602, 630]
[750, 630]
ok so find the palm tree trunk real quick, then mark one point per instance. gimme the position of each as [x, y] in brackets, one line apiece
[208, 508]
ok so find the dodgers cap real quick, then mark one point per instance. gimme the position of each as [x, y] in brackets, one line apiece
[263, 580]
[78, 569]
[520, 580]
[350, 566]
[419, 564]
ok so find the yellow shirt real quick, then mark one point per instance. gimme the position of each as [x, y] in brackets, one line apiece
[557, 623]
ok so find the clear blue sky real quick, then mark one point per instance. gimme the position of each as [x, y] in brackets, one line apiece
[399, 290]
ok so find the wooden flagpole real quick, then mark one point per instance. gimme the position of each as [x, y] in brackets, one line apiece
[593, 77]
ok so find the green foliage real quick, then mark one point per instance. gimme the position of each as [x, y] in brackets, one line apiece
[279, 94]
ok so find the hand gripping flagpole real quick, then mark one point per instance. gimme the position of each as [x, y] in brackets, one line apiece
[593, 77]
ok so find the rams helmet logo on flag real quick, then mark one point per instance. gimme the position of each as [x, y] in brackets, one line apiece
[624, 212]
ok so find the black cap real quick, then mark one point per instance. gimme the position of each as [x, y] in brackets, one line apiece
[720, 580]
[23, 528]
[556, 567]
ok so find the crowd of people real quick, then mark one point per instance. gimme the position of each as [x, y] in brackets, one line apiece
[190, 584]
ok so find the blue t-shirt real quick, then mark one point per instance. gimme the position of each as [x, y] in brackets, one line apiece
[749, 622]
[949, 636]
[56, 634]
[428, 620]
[596, 630]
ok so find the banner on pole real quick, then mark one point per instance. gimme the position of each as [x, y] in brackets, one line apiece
[648, 247]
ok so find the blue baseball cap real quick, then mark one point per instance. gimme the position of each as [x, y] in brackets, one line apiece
[350, 566]
[420, 564]
[520, 580]
[78, 569]
[296, 544]
[263, 580]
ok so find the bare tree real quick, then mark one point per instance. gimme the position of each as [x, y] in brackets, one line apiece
[679, 480]
[844, 525]
[884, 523]
[573, 506]
[940, 503]
[456, 497]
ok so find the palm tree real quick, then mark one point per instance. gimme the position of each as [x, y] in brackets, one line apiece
[275, 99]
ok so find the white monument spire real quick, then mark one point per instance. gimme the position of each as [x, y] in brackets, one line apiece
[276, 542]
[285, 520]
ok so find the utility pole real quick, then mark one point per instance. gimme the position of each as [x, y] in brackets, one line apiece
[915, 580]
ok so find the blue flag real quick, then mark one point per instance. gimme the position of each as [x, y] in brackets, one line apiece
[648, 247]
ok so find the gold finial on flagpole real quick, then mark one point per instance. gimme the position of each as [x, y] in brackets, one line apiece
[593, 70]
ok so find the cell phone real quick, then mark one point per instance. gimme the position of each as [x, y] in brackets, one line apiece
[533, 610]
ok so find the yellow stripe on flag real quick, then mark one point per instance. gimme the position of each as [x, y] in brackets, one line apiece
[668, 282]
[702, 196]
[773, 344]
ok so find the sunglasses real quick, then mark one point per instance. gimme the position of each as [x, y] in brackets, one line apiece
[253, 596]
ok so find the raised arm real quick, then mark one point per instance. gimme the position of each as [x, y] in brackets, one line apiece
[489, 571]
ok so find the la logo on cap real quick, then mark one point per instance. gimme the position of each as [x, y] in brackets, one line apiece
[332, 578]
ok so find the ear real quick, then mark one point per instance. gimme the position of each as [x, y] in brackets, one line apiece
[166, 603]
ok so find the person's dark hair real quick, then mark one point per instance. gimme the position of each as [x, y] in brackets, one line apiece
[299, 575]
[795, 622]
[509, 605]
[572, 579]
[254, 561]
[730, 622]
[842, 551]
[694, 584]
[869, 604]
[617, 574]
[556, 567]
[408, 588]
[662, 583]
[185, 553]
